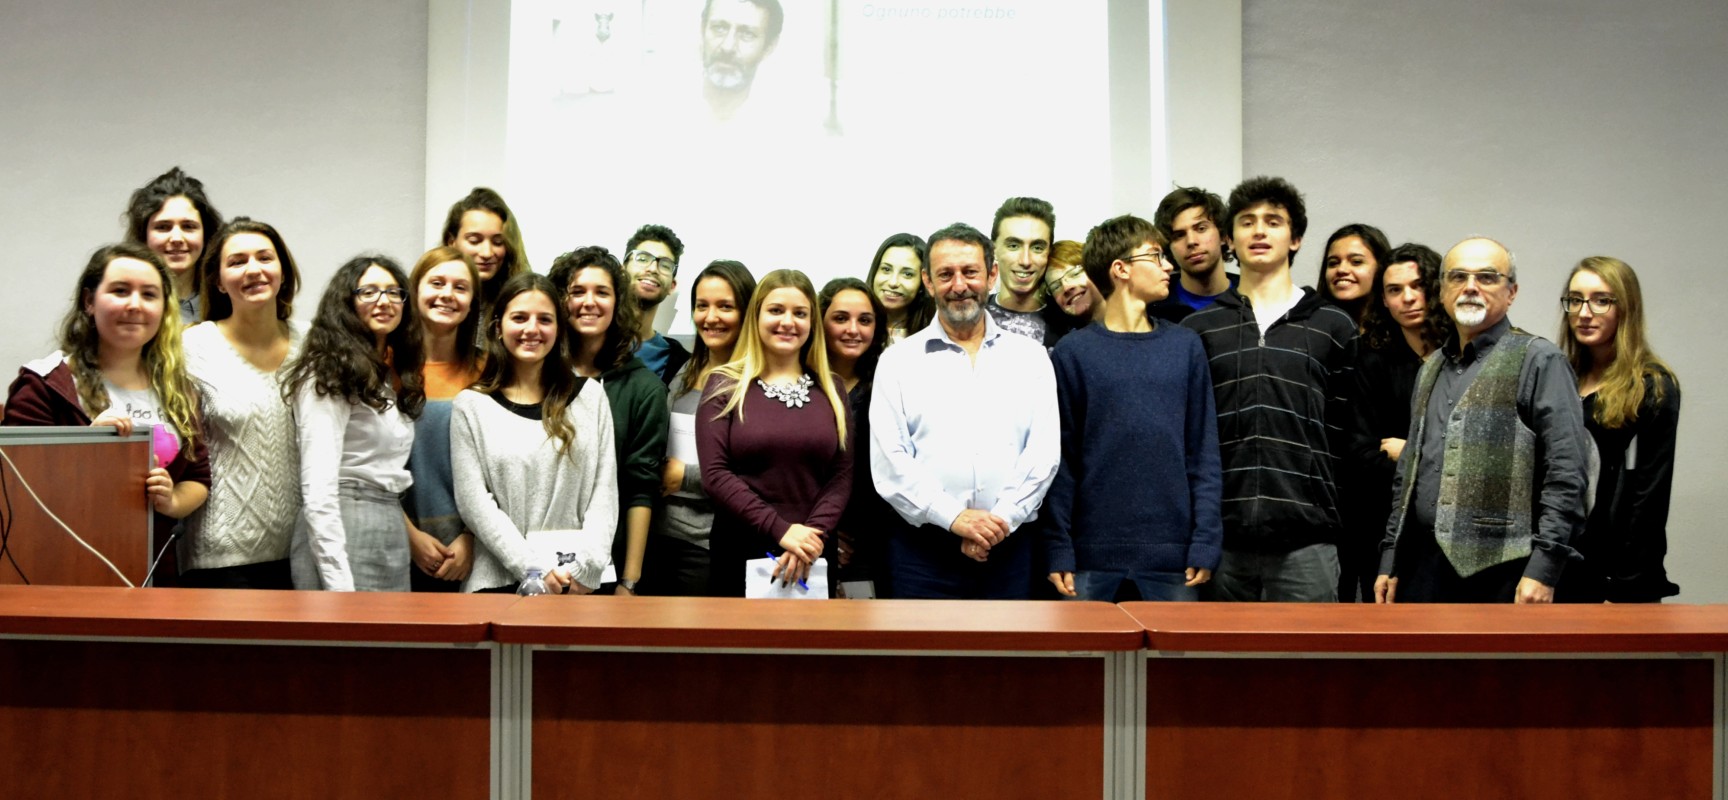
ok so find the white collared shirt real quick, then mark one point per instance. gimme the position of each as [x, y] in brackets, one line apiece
[949, 434]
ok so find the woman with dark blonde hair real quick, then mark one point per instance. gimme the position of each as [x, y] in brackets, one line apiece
[531, 447]
[356, 391]
[481, 226]
[774, 437]
[240, 539]
[604, 333]
[443, 288]
[1632, 410]
[119, 364]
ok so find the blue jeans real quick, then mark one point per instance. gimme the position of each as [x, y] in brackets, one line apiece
[1304, 575]
[1110, 587]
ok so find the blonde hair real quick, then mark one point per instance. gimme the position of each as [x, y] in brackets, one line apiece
[1623, 382]
[749, 360]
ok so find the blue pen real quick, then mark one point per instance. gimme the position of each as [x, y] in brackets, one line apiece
[801, 583]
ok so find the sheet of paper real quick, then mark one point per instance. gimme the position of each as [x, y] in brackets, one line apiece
[681, 438]
[757, 584]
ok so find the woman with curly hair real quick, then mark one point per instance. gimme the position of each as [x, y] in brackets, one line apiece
[356, 391]
[531, 447]
[604, 327]
[171, 216]
[1632, 411]
[1402, 325]
[120, 364]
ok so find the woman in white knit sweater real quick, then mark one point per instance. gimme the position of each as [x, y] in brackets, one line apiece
[531, 449]
[239, 539]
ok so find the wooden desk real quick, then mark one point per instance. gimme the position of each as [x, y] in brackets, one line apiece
[180, 693]
[1285, 700]
[671, 698]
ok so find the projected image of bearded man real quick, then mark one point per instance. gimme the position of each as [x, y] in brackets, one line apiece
[736, 36]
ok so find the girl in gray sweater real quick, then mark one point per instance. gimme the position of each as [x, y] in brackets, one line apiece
[531, 449]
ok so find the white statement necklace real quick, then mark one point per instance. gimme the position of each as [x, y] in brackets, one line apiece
[794, 395]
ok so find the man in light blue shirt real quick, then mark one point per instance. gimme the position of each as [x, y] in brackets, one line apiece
[965, 436]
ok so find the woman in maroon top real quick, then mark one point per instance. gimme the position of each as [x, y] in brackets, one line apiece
[120, 364]
[774, 439]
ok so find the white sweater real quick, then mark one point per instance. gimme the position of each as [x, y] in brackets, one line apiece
[254, 456]
[510, 480]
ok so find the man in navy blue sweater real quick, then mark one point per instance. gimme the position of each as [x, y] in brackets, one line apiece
[1134, 509]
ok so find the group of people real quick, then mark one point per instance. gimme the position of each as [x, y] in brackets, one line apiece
[981, 416]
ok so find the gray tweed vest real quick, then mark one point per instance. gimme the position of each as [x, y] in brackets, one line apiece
[1489, 465]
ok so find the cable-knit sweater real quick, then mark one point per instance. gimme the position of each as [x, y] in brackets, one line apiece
[254, 456]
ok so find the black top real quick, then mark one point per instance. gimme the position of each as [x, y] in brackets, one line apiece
[1385, 380]
[1626, 536]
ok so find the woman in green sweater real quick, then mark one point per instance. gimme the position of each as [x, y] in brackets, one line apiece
[603, 316]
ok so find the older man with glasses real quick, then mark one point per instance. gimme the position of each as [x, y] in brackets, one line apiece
[651, 262]
[1490, 487]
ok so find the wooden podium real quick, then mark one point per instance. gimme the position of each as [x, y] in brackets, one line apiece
[92, 480]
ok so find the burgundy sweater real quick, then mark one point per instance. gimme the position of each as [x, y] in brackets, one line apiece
[778, 467]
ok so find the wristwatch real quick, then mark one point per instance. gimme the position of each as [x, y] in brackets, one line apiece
[627, 585]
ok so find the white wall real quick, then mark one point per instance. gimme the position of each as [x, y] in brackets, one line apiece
[308, 115]
[1564, 129]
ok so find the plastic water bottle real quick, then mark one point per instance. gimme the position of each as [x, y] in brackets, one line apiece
[534, 584]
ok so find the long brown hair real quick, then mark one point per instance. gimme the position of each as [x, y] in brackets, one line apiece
[743, 284]
[339, 358]
[1623, 382]
[164, 362]
[557, 375]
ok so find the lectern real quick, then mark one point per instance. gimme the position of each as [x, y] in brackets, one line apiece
[93, 480]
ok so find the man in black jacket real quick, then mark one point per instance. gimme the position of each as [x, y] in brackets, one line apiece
[1281, 361]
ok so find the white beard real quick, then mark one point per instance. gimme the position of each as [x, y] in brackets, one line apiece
[1469, 316]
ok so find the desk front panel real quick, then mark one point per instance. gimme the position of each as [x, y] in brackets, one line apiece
[705, 724]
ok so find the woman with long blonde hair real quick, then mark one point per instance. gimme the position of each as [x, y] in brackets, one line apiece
[1632, 410]
[774, 438]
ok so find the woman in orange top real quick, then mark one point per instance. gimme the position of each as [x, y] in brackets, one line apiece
[443, 287]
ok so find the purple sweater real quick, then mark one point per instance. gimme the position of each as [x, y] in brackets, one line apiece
[778, 467]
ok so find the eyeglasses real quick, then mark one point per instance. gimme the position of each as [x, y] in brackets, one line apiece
[1485, 278]
[643, 258]
[394, 295]
[1146, 258]
[1599, 304]
[1053, 280]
